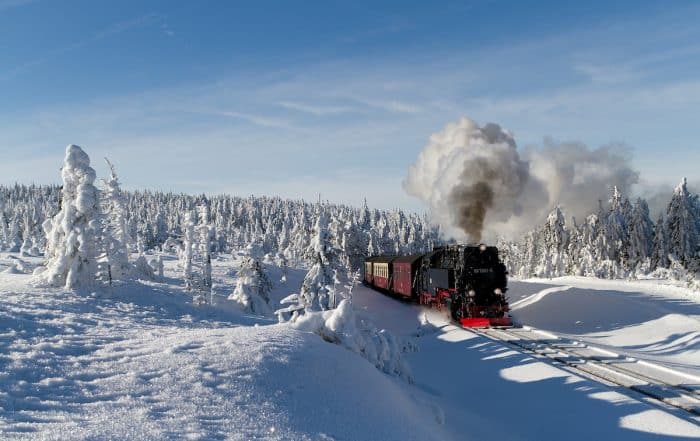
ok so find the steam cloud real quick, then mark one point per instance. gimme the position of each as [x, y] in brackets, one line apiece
[477, 183]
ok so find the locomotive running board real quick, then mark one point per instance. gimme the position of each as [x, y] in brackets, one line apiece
[485, 322]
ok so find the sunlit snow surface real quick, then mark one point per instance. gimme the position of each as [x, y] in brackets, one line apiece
[643, 319]
[489, 391]
[142, 363]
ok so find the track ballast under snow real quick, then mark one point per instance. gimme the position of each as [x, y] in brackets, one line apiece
[672, 387]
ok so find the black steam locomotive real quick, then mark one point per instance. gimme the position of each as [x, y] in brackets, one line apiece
[469, 282]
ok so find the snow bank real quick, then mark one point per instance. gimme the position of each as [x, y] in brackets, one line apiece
[646, 320]
[341, 326]
[145, 363]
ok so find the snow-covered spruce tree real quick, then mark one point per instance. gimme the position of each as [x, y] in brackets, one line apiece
[682, 226]
[319, 289]
[555, 242]
[115, 233]
[27, 240]
[659, 252]
[354, 245]
[187, 254]
[588, 236]
[205, 233]
[71, 257]
[617, 231]
[532, 254]
[252, 291]
[574, 249]
[14, 240]
[4, 231]
[641, 236]
[283, 264]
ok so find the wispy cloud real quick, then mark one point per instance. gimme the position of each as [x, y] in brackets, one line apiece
[9, 4]
[112, 30]
[290, 123]
[318, 110]
[605, 74]
[391, 105]
[262, 121]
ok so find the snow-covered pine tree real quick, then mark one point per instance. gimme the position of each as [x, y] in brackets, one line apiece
[617, 229]
[205, 245]
[555, 242]
[4, 230]
[641, 236]
[14, 239]
[321, 281]
[682, 226]
[71, 257]
[588, 235]
[574, 249]
[659, 252]
[252, 291]
[115, 233]
[27, 241]
[187, 254]
[532, 252]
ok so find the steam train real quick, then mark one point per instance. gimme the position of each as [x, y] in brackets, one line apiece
[469, 282]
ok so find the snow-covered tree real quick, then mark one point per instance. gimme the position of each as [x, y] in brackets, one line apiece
[321, 282]
[115, 233]
[4, 230]
[682, 226]
[187, 254]
[71, 249]
[205, 246]
[617, 228]
[252, 291]
[659, 252]
[14, 239]
[641, 236]
[555, 240]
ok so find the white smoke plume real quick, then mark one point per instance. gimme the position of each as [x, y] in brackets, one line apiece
[479, 185]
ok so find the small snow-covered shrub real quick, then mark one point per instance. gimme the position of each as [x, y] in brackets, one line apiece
[676, 272]
[252, 291]
[341, 326]
[156, 264]
[142, 269]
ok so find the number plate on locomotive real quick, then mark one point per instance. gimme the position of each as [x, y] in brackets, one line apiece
[482, 270]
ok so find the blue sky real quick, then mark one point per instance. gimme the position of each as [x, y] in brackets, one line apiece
[336, 97]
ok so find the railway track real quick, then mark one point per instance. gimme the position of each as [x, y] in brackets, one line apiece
[655, 382]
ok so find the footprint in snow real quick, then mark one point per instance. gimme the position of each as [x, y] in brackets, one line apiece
[186, 347]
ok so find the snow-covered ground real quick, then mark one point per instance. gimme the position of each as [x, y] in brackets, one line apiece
[142, 362]
[647, 320]
[486, 390]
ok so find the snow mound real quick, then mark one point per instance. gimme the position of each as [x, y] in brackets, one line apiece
[341, 326]
[144, 363]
